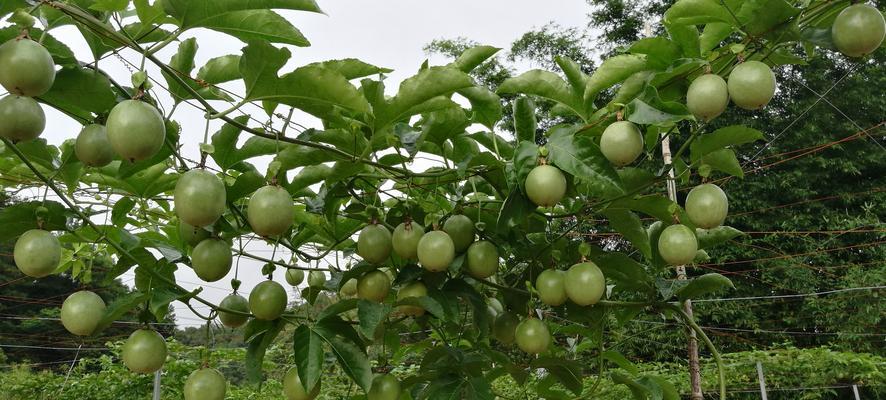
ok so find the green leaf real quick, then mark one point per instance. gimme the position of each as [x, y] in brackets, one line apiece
[620, 360]
[631, 87]
[641, 112]
[703, 285]
[371, 315]
[732, 135]
[568, 372]
[485, 105]
[723, 160]
[660, 52]
[657, 206]
[81, 92]
[352, 360]
[695, 12]
[226, 153]
[60, 52]
[525, 123]
[308, 353]
[109, 5]
[613, 70]
[629, 225]
[544, 84]
[415, 94]
[581, 157]
[18, 218]
[637, 390]
[473, 57]
[161, 298]
[430, 305]
[119, 307]
[495, 143]
[686, 36]
[762, 16]
[183, 63]
[708, 238]
[713, 34]
[624, 271]
[245, 20]
[576, 77]
[8, 6]
[351, 68]
[258, 345]
[220, 69]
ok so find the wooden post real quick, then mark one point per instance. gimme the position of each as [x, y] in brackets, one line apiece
[156, 385]
[762, 380]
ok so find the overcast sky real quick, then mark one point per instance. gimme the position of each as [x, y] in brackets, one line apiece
[388, 33]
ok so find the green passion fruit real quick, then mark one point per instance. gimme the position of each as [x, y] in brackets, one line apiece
[414, 289]
[436, 251]
[585, 283]
[136, 130]
[545, 185]
[551, 287]
[144, 352]
[82, 312]
[374, 286]
[199, 197]
[37, 253]
[858, 30]
[405, 239]
[234, 302]
[349, 288]
[267, 301]
[532, 336]
[295, 277]
[205, 384]
[707, 97]
[28, 69]
[190, 234]
[384, 387]
[677, 245]
[23, 118]
[504, 327]
[621, 143]
[212, 259]
[751, 85]
[93, 147]
[460, 229]
[374, 244]
[316, 279]
[293, 388]
[270, 211]
[707, 206]
[482, 259]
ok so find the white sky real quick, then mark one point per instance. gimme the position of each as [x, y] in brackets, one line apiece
[389, 33]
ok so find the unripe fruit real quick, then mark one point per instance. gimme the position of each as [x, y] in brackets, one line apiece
[212, 259]
[349, 288]
[405, 240]
[374, 244]
[858, 30]
[384, 387]
[707, 206]
[93, 147]
[28, 69]
[551, 287]
[190, 234]
[267, 301]
[316, 279]
[482, 259]
[585, 283]
[751, 85]
[374, 286]
[234, 302]
[295, 277]
[621, 143]
[496, 305]
[270, 211]
[707, 97]
[37, 253]
[136, 130]
[414, 289]
[144, 352]
[293, 388]
[677, 245]
[23, 119]
[436, 251]
[205, 384]
[82, 312]
[545, 185]
[532, 336]
[460, 229]
[199, 197]
[505, 327]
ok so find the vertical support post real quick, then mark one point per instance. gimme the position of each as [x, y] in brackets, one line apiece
[762, 380]
[855, 392]
[694, 368]
[156, 385]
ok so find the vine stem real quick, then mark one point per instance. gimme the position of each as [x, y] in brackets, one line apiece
[690, 322]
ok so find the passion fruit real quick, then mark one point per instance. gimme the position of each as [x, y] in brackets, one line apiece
[545, 185]
[205, 384]
[505, 327]
[270, 211]
[532, 336]
[482, 259]
[551, 287]
[621, 143]
[82, 312]
[28, 69]
[858, 30]
[374, 243]
[234, 302]
[436, 251]
[677, 245]
[199, 197]
[316, 279]
[212, 259]
[37, 253]
[136, 130]
[405, 239]
[414, 289]
[460, 229]
[751, 85]
[585, 284]
[144, 352]
[349, 288]
[293, 388]
[295, 277]
[267, 301]
[384, 387]
[190, 234]
[23, 119]
[707, 97]
[93, 147]
[707, 206]
[374, 286]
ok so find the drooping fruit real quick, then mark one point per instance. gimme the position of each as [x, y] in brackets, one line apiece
[37, 253]
[707, 206]
[374, 286]
[384, 387]
[199, 197]
[532, 336]
[136, 130]
[316, 279]
[349, 288]
[374, 243]
[496, 305]
[23, 119]
[460, 229]
[482, 259]
[436, 251]
[234, 302]
[751, 85]
[144, 352]
[27, 68]
[205, 384]
[212, 259]
[293, 388]
[295, 277]
[621, 143]
[405, 239]
[551, 287]
[190, 234]
[677, 245]
[414, 289]
[505, 327]
[707, 97]
[82, 312]
[270, 211]
[545, 185]
[858, 30]
[585, 283]
[267, 300]
[93, 147]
